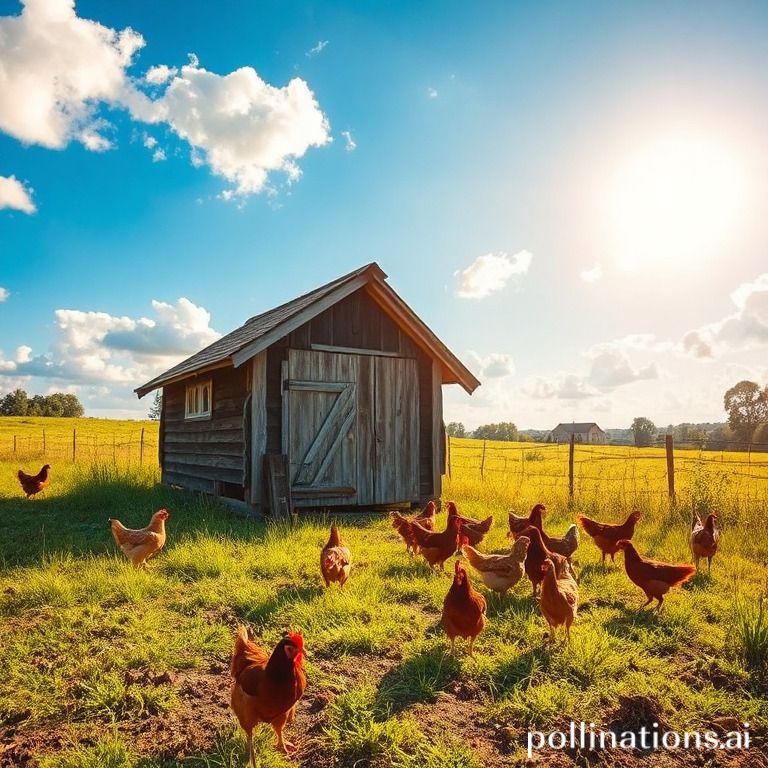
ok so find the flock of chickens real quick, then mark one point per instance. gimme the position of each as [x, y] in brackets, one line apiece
[266, 687]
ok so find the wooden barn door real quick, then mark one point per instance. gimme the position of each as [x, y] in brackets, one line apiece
[350, 428]
[396, 430]
[321, 427]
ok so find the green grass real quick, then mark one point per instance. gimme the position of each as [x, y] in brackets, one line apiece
[96, 655]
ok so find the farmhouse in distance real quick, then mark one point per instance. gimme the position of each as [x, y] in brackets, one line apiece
[586, 432]
[344, 382]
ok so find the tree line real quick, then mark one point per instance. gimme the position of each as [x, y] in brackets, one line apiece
[19, 403]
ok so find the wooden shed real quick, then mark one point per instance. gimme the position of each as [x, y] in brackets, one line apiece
[344, 381]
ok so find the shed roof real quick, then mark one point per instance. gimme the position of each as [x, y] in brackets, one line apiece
[261, 331]
[576, 427]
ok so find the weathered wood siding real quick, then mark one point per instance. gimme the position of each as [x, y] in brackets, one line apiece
[357, 322]
[208, 454]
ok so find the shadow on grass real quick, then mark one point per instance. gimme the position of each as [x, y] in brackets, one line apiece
[75, 521]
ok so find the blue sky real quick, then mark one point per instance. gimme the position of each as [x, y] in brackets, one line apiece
[571, 195]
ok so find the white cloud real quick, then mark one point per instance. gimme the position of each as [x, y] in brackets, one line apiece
[241, 126]
[54, 70]
[14, 195]
[610, 368]
[351, 144]
[432, 93]
[490, 273]
[96, 348]
[160, 74]
[592, 275]
[4, 294]
[58, 70]
[564, 386]
[745, 328]
[150, 141]
[316, 49]
[158, 155]
[492, 366]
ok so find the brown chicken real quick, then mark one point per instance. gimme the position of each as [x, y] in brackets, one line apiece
[704, 539]
[559, 600]
[498, 572]
[474, 530]
[653, 577]
[437, 547]
[607, 535]
[266, 687]
[335, 559]
[536, 557]
[402, 524]
[142, 543]
[518, 524]
[32, 484]
[463, 609]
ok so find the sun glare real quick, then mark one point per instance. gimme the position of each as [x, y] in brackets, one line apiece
[675, 201]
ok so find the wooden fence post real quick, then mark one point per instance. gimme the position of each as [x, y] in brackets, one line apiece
[448, 457]
[141, 447]
[670, 467]
[571, 449]
[14, 443]
[74, 444]
[482, 463]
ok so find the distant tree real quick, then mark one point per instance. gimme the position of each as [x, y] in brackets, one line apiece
[157, 408]
[17, 403]
[643, 430]
[505, 430]
[14, 403]
[454, 429]
[747, 407]
[720, 438]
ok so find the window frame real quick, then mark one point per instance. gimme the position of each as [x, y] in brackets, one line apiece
[198, 390]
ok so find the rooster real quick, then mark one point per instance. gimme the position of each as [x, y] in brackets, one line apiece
[653, 577]
[265, 688]
[704, 539]
[437, 547]
[463, 609]
[518, 524]
[141, 544]
[32, 484]
[607, 535]
[335, 559]
[474, 530]
[498, 572]
[559, 599]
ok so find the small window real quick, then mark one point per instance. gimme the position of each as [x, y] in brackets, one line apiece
[198, 400]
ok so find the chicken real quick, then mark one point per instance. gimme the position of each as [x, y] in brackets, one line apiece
[335, 559]
[32, 484]
[518, 524]
[537, 555]
[562, 545]
[437, 547]
[265, 688]
[704, 539]
[559, 599]
[653, 577]
[402, 524]
[474, 530]
[607, 535]
[498, 572]
[463, 609]
[141, 544]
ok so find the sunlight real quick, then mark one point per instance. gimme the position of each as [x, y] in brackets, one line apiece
[675, 201]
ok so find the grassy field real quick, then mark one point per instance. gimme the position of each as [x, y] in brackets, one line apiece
[107, 667]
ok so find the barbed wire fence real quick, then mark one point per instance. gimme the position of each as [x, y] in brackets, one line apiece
[580, 467]
[81, 445]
